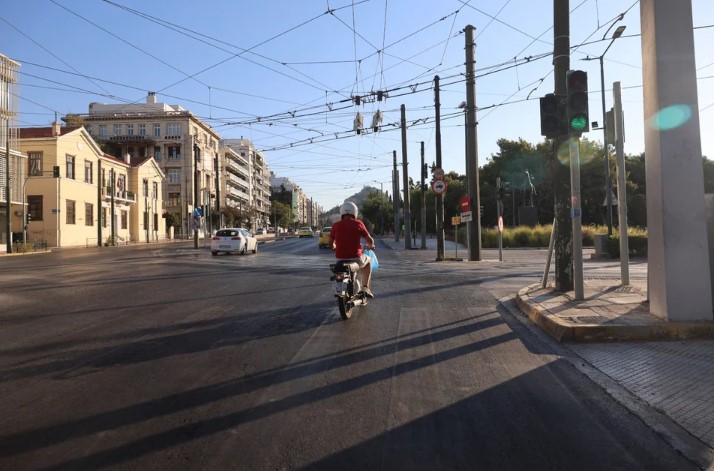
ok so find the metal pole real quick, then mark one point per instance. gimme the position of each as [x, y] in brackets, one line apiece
[113, 185]
[608, 182]
[474, 226]
[621, 188]
[439, 198]
[8, 193]
[423, 199]
[395, 196]
[196, 154]
[99, 203]
[575, 214]
[405, 177]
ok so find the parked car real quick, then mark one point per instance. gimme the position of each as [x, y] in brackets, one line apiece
[260, 231]
[233, 240]
[324, 240]
[305, 232]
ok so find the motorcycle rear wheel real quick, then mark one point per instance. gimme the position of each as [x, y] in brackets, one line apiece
[345, 308]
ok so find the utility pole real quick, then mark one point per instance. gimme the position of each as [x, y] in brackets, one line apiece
[99, 202]
[218, 191]
[561, 172]
[473, 226]
[196, 215]
[112, 177]
[8, 194]
[621, 188]
[423, 198]
[395, 196]
[405, 176]
[439, 198]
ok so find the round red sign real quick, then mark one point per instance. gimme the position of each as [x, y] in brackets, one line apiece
[465, 204]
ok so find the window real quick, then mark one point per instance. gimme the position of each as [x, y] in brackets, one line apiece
[157, 129]
[157, 154]
[102, 131]
[70, 166]
[34, 207]
[173, 175]
[88, 214]
[155, 191]
[174, 152]
[35, 163]
[121, 179]
[88, 172]
[142, 130]
[117, 129]
[129, 129]
[146, 220]
[156, 221]
[174, 199]
[173, 129]
[124, 219]
[145, 187]
[70, 212]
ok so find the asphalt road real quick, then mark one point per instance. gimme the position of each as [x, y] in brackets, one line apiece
[164, 357]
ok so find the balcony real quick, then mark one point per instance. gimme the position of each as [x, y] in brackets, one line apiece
[120, 196]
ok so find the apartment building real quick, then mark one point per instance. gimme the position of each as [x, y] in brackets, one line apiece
[11, 205]
[258, 187]
[185, 148]
[77, 195]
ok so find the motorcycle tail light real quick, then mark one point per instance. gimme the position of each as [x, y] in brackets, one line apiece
[339, 277]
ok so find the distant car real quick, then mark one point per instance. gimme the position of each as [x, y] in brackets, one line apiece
[305, 232]
[233, 240]
[260, 231]
[324, 240]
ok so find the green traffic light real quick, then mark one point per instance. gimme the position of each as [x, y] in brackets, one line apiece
[578, 123]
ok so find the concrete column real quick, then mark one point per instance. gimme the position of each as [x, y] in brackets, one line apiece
[679, 285]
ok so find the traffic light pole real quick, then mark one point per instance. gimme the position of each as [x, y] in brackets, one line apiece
[405, 176]
[576, 212]
[423, 198]
[439, 198]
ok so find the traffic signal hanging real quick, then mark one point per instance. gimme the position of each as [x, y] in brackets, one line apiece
[577, 102]
[552, 116]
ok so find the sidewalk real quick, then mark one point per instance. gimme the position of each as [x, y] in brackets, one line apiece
[663, 372]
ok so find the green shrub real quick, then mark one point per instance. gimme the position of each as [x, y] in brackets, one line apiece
[636, 242]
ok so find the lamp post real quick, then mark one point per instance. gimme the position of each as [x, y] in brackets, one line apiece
[608, 182]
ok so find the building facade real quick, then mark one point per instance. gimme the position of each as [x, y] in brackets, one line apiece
[258, 183]
[12, 162]
[184, 147]
[77, 195]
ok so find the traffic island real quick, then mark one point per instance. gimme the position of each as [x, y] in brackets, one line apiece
[607, 313]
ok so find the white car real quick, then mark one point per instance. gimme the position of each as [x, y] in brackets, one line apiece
[233, 240]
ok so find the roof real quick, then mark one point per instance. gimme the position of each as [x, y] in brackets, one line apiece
[35, 133]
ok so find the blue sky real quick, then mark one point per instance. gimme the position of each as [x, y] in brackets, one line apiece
[281, 72]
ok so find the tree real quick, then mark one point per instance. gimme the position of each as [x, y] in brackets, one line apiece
[377, 209]
[280, 212]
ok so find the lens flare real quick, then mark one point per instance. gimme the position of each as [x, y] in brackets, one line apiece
[670, 117]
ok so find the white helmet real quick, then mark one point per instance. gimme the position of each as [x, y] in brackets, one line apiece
[348, 207]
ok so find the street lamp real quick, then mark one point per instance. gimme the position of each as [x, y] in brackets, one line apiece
[608, 182]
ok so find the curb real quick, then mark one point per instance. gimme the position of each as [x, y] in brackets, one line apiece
[564, 331]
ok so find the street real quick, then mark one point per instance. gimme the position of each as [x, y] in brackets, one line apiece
[164, 357]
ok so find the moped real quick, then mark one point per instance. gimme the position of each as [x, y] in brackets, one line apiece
[348, 287]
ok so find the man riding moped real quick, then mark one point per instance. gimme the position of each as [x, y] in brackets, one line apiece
[345, 239]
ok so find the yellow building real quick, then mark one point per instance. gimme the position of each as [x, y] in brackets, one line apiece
[76, 195]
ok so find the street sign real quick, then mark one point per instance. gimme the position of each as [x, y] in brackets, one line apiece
[500, 223]
[455, 220]
[465, 204]
[439, 187]
[467, 216]
[438, 173]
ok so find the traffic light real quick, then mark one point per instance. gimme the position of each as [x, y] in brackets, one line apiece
[28, 218]
[552, 116]
[577, 102]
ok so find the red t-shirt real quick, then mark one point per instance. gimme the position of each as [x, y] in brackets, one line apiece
[347, 234]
